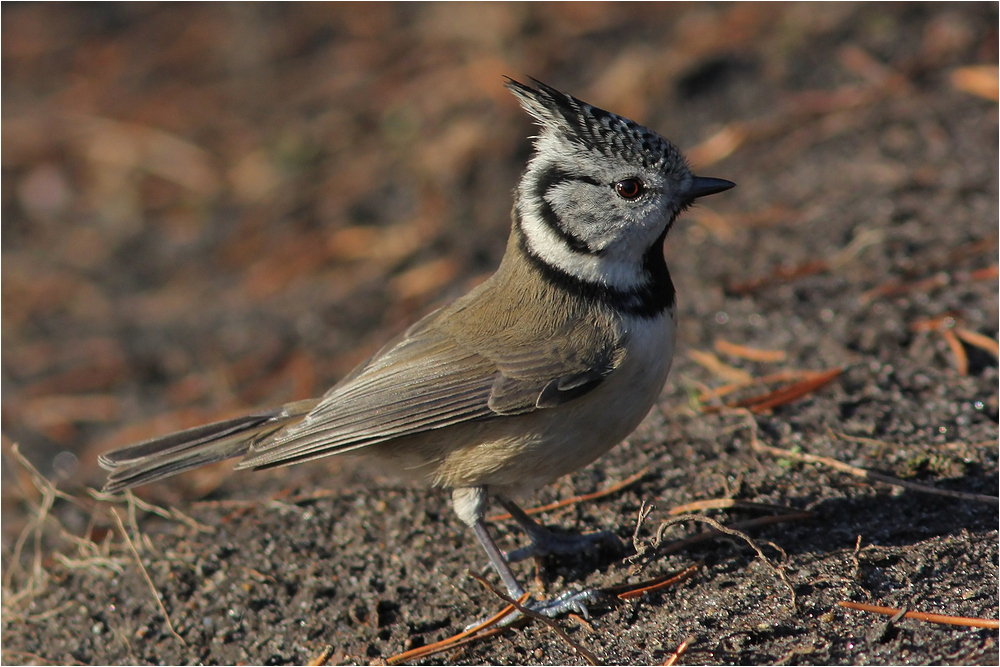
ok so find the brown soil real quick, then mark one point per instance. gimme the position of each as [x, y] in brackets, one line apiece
[209, 208]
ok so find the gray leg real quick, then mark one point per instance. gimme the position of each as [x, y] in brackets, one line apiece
[470, 505]
[499, 562]
[545, 542]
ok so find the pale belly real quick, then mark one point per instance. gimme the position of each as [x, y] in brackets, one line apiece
[516, 455]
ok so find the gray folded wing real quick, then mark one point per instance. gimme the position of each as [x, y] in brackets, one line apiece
[429, 380]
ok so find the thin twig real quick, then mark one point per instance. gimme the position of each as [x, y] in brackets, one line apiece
[923, 616]
[322, 658]
[723, 346]
[628, 481]
[145, 574]
[679, 651]
[780, 376]
[448, 644]
[724, 503]
[632, 591]
[588, 656]
[644, 511]
[777, 571]
[790, 392]
[475, 633]
[39, 659]
[680, 545]
[957, 351]
[719, 368]
[859, 472]
[984, 343]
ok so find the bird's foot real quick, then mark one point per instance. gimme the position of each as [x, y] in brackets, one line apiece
[570, 602]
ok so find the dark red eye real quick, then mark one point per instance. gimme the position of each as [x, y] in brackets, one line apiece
[630, 188]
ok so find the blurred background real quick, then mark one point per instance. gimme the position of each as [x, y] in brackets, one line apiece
[212, 207]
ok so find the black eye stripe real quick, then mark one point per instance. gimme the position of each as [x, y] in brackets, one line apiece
[554, 176]
[547, 180]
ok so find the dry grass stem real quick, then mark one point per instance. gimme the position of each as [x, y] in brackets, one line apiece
[90, 554]
[111, 564]
[172, 514]
[50, 613]
[145, 575]
[865, 238]
[35, 528]
[644, 511]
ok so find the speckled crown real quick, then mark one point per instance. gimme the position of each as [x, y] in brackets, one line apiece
[595, 128]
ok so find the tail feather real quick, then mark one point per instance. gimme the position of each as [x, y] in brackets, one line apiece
[171, 454]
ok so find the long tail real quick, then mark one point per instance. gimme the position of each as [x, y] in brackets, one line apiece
[157, 458]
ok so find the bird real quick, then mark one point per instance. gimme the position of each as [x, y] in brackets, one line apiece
[533, 374]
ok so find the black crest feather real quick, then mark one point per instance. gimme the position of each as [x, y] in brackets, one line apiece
[594, 128]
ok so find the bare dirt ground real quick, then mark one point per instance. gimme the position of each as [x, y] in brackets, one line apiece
[211, 208]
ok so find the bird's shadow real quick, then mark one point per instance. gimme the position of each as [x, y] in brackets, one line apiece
[884, 519]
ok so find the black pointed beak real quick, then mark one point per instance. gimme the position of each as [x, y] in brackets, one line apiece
[702, 187]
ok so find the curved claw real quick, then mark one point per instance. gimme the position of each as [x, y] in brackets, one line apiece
[569, 601]
[565, 603]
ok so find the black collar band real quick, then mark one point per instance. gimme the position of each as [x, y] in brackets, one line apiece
[647, 301]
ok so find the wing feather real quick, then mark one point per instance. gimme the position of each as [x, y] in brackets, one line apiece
[431, 378]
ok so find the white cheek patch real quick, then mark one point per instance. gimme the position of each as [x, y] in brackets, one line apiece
[542, 240]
